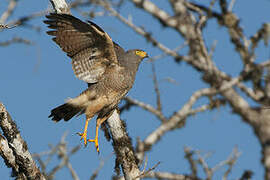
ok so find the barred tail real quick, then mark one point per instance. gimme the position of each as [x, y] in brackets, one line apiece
[65, 111]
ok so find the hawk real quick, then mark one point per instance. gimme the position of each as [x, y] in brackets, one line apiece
[106, 67]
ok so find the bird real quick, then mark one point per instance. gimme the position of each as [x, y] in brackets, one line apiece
[104, 65]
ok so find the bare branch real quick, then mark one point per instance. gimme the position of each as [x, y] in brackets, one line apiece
[169, 176]
[193, 164]
[62, 153]
[223, 6]
[162, 55]
[100, 166]
[147, 35]
[16, 40]
[230, 162]
[231, 5]
[60, 6]
[5, 26]
[11, 6]
[9, 158]
[201, 160]
[207, 170]
[22, 21]
[159, 106]
[262, 34]
[146, 107]
[144, 173]
[23, 159]
[123, 147]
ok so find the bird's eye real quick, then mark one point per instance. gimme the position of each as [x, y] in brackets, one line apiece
[141, 53]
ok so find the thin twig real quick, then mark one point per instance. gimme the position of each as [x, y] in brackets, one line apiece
[11, 6]
[100, 166]
[16, 40]
[193, 164]
[146, 107]
[148, 171]
[159, 106]
[231, 5]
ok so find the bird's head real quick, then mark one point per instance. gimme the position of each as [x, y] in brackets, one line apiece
[132, 58]
[137, 55]
[141, 54]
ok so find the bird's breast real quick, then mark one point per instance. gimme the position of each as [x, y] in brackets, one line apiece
[118, 79]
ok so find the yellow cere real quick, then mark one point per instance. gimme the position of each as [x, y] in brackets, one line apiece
[141, 53]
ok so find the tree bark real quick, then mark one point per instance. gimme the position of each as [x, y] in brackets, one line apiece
[14, 150]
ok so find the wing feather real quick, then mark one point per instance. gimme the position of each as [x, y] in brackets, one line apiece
[90, 48]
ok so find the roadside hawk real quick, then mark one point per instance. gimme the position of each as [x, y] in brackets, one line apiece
[108, 69]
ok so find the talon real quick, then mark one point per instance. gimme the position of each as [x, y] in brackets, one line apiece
[84, 134]
[84, 137]
[96, 143]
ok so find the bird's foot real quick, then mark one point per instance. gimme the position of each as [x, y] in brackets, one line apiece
[84, 137]
[96, 143]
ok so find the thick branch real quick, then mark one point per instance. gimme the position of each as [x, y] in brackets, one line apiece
[123, 147]
[22, 161]
[60, 6]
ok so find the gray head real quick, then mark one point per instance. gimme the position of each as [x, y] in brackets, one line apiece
[140, 54]
[132, 58]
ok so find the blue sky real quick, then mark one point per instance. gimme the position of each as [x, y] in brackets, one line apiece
[34, 79]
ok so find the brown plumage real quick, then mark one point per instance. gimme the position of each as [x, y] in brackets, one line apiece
[97, 60]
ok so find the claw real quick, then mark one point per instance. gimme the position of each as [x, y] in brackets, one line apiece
[83, 136]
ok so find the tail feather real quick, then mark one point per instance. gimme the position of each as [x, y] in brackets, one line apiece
[65, 111]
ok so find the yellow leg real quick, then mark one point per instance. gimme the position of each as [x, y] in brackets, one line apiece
[84, 134]
[100, 120]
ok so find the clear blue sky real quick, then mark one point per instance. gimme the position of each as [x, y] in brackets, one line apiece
[34, 79]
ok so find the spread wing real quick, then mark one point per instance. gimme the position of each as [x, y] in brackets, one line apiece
[90, 48]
